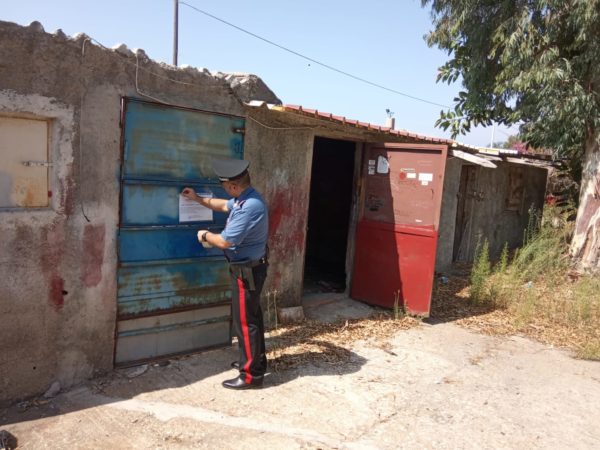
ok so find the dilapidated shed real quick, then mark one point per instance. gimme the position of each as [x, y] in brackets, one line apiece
[493, 195]
[485, 194]
[99, 259]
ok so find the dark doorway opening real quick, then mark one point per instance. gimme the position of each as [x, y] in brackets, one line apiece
[329, 211]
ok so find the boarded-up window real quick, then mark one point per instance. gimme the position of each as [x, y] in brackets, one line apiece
[515, 189]
[23, 163]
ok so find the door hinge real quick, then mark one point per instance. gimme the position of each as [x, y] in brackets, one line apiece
[37, 163]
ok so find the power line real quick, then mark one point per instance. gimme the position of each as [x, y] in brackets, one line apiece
[327, 66]
[505, 133]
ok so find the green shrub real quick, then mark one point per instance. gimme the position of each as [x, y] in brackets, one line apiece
[503, 262]
[544, 250]
[480, 273]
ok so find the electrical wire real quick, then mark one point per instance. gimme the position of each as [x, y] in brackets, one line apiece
[139, 68]
[327, 66]
[137, 88]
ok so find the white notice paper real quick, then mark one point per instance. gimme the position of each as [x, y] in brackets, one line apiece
[383, 165]
[424, 176]
[191, 211]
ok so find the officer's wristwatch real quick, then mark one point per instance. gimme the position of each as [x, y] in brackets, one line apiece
[204, 236]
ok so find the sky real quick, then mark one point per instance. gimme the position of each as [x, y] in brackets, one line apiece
[381, 41]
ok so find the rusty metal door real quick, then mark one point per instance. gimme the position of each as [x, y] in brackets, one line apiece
[173, 294]
[397, 232]
[467, 195]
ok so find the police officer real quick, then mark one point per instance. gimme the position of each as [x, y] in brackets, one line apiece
[244, 242]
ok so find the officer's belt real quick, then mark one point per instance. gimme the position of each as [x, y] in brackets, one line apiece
[249, 264]
[244, 270]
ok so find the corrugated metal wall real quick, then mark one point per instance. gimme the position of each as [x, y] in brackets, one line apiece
[173, 294]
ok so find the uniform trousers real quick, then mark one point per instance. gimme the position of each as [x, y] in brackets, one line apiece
[248, 323]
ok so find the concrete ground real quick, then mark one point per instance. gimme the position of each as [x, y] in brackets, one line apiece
[432, 386]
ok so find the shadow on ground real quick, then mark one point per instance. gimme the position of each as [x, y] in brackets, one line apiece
[312, 356]
[296, 351]
[450, 299]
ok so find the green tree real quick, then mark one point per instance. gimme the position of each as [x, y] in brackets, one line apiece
[536, 62]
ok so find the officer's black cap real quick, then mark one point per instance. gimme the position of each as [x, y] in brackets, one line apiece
[228, 169]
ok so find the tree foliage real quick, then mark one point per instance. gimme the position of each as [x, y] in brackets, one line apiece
[535, 62]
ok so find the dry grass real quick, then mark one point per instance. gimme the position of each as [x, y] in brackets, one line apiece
[536, 295]
[532, 295]
[552, 315]
[316, 342]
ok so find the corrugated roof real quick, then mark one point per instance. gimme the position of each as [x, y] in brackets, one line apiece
[491, 153]
[315, 113]
[355, 123]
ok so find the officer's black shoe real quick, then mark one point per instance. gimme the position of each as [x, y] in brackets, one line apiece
[240, 383]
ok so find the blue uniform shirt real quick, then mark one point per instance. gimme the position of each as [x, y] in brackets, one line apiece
[247, 227]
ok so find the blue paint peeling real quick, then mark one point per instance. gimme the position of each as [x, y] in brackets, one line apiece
[162, 267]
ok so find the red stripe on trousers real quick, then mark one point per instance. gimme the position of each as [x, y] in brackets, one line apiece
[245, 331]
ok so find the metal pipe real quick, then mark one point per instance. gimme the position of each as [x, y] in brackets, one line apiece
[175, 30]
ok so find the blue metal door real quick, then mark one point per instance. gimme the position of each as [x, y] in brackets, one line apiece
[173, 294]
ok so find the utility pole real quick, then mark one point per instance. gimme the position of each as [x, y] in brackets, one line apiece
[175, 30]
[493, 130]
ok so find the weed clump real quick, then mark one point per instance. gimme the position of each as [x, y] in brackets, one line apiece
[480, 273]
[534, 286]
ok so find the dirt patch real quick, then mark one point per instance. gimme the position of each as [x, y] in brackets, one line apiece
[451, 303]
[376, 383]
[313, 342]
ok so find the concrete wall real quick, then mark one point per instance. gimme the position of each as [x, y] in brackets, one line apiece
[445, 244]
[282, 159]
[488, 217]
[58, 264]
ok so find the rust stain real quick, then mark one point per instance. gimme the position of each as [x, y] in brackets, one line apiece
[156, 282]
[51, 255]
[275, 279]
[285, 228]
[56, 296]
[29, 198]
[179, 282]
[29, 192]
[52, 250]
[276, 211]
[67, 198]
[93, 254]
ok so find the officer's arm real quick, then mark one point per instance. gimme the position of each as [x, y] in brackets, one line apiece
[216, 204]
[213, 239]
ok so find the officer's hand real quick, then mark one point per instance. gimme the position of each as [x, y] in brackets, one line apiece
[189, 193]
[204, 243]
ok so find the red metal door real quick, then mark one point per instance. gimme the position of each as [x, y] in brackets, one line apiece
[397, 232]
